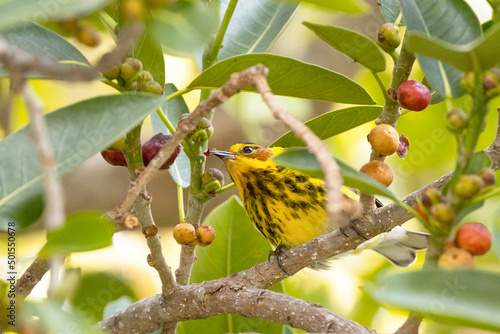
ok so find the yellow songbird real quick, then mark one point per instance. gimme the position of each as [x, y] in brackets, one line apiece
[287, 206]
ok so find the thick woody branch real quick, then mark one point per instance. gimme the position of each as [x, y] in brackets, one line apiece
[337, 207]
[199, 301]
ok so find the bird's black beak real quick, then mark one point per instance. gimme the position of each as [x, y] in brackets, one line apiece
[223, 154]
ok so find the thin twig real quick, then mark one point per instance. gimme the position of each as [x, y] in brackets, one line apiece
[221, 95]
[493, 150]
[337, 207]
[156, 259]
[54, 213]
[18, 62]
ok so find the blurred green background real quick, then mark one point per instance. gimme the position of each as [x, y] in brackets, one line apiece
[97, 185]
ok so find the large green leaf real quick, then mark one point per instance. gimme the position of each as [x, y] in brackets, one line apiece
[302, 160]
[173, 109]
[237, 246]
[288, 77]
[14, 11]
[54, 319]
[354, 45]
[481, 54]
[184, 26]
[40, 41]
[391, 11]
[148, 50]
[96, 290]
[82, 232]
[254, 26]
[332, 123]
[346, 6]
[459, 297]
[452, 21]
[76, 132]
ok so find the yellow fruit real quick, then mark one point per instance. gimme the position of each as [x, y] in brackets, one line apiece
[379, 171]
[384, 139]
[184, 234]
[456, 258]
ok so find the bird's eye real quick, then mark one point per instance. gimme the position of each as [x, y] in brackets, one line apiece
[248, 149]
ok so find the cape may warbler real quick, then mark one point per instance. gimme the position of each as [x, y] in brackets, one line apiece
[287, 207]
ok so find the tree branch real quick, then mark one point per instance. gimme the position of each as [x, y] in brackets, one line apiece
[205, 300]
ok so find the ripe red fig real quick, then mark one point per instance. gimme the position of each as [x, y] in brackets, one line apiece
[413, 95]
[151, 148]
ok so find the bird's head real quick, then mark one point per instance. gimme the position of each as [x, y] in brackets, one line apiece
[246, 152]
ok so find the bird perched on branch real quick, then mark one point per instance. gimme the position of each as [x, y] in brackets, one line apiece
[287, 206]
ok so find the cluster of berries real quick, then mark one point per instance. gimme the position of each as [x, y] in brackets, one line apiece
[433, 207]
[114, 155]
[471, 239]
[186, 235]
[130, 76]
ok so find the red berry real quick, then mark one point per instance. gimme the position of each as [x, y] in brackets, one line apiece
[115, 158]
[413, 95]
[474, 237]
[151, 148]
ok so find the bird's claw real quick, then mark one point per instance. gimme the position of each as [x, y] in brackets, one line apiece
[279, 252]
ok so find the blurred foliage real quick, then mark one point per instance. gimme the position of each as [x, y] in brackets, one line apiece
[189, 29]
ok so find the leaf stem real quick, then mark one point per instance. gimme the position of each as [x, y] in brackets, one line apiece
[180, 203]
[180, 92]
[211, 57]
[165, 120]
[381, 85]
[225, 188]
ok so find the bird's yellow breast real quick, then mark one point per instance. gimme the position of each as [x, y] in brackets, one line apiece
[284, 205]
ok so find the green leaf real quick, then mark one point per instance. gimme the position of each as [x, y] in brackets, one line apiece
[496, 233]
[287, 77]
[460, 297]
[34, 39]
[300, 159]
[354, 45]
[184, 26]
[332, 123]
[481, 54]
[346, 6]
[54, 320]
[82, 232]
[180, 170]
[237, 246]
[76, 132]
[14, 11]
[452, 21]
[148, 50]
[96, 290]
[116, 305]
[254, 26]
[391, 11]
[478, 161]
